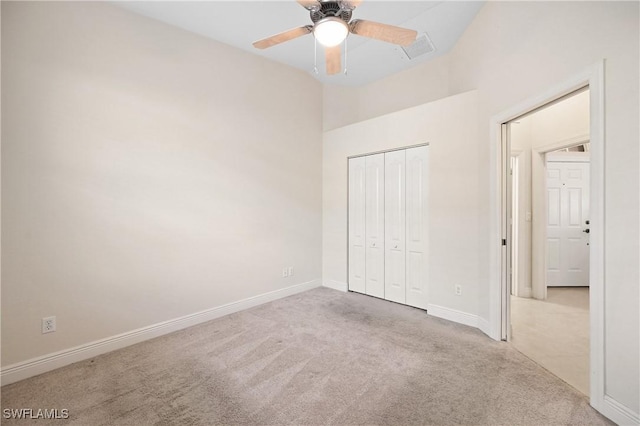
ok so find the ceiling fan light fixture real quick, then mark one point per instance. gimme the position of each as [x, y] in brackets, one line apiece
[330, 31]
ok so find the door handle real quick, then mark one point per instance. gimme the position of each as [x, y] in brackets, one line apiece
[586, 230]
[396, 246]
[373, 245]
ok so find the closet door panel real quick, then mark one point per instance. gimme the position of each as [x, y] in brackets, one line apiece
[357, 239]
[374, 230]
[394, 214]
[416, 226]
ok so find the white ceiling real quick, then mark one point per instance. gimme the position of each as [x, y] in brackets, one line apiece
[240, 23]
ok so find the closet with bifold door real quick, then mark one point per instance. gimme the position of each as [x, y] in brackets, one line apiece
[388, 225]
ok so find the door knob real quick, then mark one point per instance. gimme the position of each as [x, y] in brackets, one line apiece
[396, 246]
[373, 245]
[586, 230]
[586, 222]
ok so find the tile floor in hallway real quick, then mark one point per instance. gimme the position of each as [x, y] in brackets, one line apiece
[555, 333]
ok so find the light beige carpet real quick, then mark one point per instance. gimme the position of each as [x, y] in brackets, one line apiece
[320, 357]
[555, 333]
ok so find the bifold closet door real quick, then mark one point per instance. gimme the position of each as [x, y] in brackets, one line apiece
[394, 228]
[357, 241]
[374, 229]
[416, 226]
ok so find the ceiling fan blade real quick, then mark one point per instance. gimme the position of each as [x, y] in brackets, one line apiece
[309, 4]
[352, 3]
[332, 58]
[384, 32]
[282, 37]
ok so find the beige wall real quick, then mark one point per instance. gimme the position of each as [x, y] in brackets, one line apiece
[147, 174]
[513, 51]
[347, 105]
[452, 193]
[534, 46]
[136, 156]
[564, 121]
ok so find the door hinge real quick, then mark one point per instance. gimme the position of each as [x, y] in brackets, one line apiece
[504, 241]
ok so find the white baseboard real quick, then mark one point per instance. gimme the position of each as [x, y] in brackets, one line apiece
[618, 413]
[526, 292]
[483, 325]
[336, 285]
[453, 315]
[22, 370]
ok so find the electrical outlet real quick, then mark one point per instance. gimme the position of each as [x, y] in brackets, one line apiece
[290, 271]
[48, 325]
[285, 272]
[458, 290]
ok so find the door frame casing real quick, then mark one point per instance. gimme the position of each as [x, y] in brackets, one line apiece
[539, 209]
[539, 164]
[593, 77]
[516, 198]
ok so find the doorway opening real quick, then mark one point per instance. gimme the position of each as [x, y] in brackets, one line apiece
[548, 219]
[498, 325]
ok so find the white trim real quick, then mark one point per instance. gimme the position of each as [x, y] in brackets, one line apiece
[594, 78]
[483, 325]
[336, 285]
[540, 157]
[453, 315]
[538, 227]
[567, 157]
[565, 143]
[525, 292]
[22, 370]
[619, 413]
[385, 151]
[494, 329]
[596, 239]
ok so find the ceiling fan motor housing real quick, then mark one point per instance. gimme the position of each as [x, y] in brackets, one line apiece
[331, 9]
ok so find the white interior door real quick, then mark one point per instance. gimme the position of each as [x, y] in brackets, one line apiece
[567, 219]
[357, 241]
[374, 203]
[394, 214]
[416, 226]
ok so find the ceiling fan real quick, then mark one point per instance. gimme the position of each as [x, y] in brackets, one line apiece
[332, 24]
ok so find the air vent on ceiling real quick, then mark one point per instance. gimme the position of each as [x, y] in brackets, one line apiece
[421, 46]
